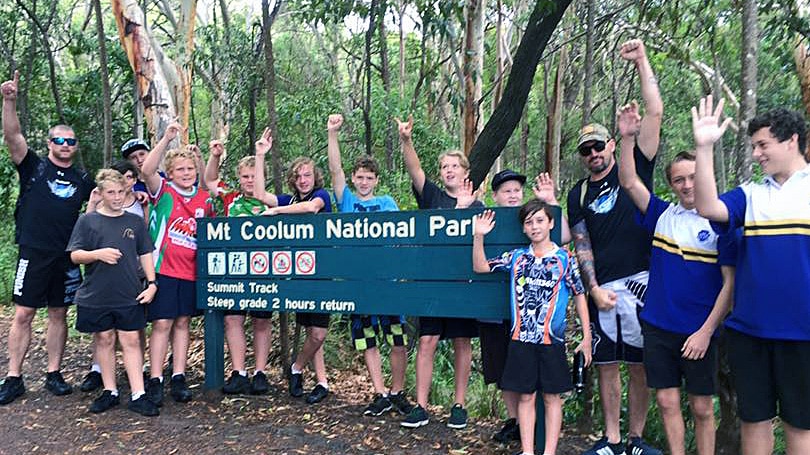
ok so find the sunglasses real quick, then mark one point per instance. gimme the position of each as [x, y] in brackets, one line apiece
[585, 149]
[62, 140]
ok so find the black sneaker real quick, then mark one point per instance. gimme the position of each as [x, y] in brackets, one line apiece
[236, 385]
[91, 382]
[143, 406]
[259, 385]
[154, 391]
[379, 406]
[179, 390]
[416, 418]
[296, 384]
[104, 402]
[318, 394]
[11, 389]
[603, 447]
[400, 402]
[55, 383]
[458, 417]
[510, 432]
[637, 446]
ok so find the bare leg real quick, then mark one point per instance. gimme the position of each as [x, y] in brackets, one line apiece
[610, 390]
[638, 399]
[462, 363]
[399, 363]
[553, 406]
[261, 342]
[703, 413]
[19, 338]
[424, 367]
[235, 337]
[133, 358]
[527, 416]
[669, 404]
[757, 438]
[319, 365]
[374, 366]
[105, 352]
[56, 337]
[159, 345]
[510, 399]
[798, 440]
[312, 351]
[180, 340]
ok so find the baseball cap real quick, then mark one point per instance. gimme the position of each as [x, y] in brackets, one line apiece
[504, 176]
[133, 145]
[593, 132]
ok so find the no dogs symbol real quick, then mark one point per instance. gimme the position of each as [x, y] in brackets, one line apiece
[305, 262]
[259, 263]
[282, 263]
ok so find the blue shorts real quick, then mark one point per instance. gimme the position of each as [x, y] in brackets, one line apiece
[174, 298]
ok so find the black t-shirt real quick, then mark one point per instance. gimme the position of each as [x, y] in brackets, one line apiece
[49, 202]
[621, 247]
[433, 197]
[106, 285]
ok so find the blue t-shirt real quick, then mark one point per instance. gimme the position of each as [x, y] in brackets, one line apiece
[351, 204]
[539, 288]
[289, 199]
[771, 297]
[685, 276]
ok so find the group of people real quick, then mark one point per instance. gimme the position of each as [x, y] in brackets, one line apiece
[652, 281]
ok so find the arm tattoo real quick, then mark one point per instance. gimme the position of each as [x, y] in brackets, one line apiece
[582, 246]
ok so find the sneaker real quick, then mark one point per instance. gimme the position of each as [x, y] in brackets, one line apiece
[637, 446]
[259, 385]
[55, 383]
[296, 384]
[458, 417]
[510, 432]
[154, 391]
[11, 389]
[379, 406]
[236, 385]
[418, 417]
[104, 402]
[91, 382]
[144, 406]
[400, 402]
[179, 390]
[317, 395]
[603, 447]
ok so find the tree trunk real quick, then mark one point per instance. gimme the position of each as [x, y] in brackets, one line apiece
[588, 63]
[554, 119]
[185, 62]
[385, 74]
[497, 90]
[105, 84]
[401, 16]
[524, 141]
[748, 85]
[473, 69]
[543, 20]
[372, 27]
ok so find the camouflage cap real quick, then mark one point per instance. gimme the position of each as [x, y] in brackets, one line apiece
[593, 132]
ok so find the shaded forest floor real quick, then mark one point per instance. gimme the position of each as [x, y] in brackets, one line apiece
[214, 423]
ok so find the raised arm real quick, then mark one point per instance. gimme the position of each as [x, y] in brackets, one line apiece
[263, 145]
[412, 163]
[199, 165]
[605, 299]
[650, 134]
[12, 132]
[215, 151]
[707, 130]
[149, 170]
[545, 190]
[333, 125]
[483, 223]
[629, 124]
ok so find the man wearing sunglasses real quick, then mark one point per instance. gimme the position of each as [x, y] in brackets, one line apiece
[49, 187]
[613, 253]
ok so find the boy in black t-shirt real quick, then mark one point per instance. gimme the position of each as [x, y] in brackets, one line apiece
[112, 244]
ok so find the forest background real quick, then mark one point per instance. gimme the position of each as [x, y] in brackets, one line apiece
[228, 68]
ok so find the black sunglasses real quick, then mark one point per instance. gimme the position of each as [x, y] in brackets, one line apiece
[585, 149]
[61, 140]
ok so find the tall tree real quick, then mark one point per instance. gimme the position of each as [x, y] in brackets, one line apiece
[105, 83]
[473, 68]
[748, 87]
[590, 37]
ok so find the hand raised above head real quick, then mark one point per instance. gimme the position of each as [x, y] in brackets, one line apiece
[633, 50]
[405, 128]
[544, 188]
[628, 119]
[264, 143]
[484, 222]
[334, 122]
[706, 125]
[9, 88]
[216, 147]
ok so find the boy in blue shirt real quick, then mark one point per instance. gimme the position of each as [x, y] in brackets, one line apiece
[543, 278]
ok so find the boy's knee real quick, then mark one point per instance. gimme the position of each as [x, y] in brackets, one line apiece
[668, 400]
[57, 314]
[105, 340]
[24, 316]
[182, 323]
[317, 335]
[702, 407]
[427, 344]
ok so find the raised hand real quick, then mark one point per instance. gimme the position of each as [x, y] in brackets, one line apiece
[217, 147]
[405, 128]
[193, 148]
[465, 196]
[633, 50]
[544, 188]
[108, 255]
[9, 88]
[334, 122]
[483, 223]
[265, 142]
[173, 130]
[706, 125]
[628, 119]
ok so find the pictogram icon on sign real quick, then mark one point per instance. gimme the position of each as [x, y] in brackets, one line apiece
[282, 263]
[305, 262]
[259, 263]
[238, 263]
[216, 263]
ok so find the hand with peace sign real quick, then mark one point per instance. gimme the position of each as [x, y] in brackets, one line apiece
[265, 142]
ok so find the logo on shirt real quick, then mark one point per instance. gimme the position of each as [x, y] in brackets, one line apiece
[128, 233]
[703, 235]
[61, 188]
[605, 201]
[182, 232]
[367, 208]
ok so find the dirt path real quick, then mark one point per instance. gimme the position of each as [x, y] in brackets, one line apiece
[214, 424]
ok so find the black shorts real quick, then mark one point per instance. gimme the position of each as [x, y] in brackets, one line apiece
[174, 298]
[772, 377]
[320, 320]
[448, 327]
[254, 314]
[94, 320]
[45, 278]
[536, 367]
[365, 329]
[494, 345]
[666, 367]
